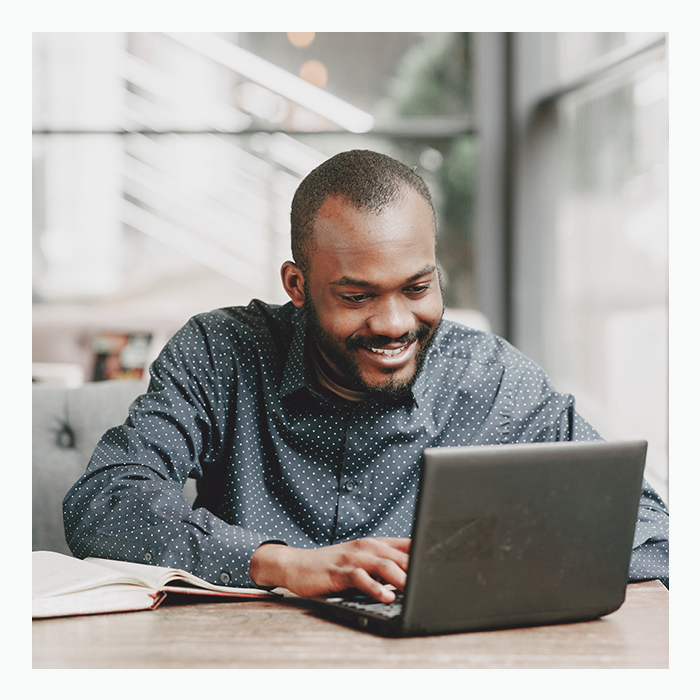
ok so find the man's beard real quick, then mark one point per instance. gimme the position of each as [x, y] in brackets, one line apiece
[348, 368]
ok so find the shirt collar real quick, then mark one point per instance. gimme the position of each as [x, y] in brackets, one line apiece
[295, 370]
[430, 375]
[425, 379]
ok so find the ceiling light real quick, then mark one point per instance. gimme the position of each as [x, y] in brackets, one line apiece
[300, 39]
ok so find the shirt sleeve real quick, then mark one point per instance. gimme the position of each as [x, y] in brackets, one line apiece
[650, 557]
[541, 414]
[129, 504]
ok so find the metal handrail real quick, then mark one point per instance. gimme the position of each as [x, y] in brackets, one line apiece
[602, 66]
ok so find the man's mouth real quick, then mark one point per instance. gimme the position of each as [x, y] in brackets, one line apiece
[387, 351]
[386, 354]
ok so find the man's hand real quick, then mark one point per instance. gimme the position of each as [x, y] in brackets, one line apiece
[365, 564]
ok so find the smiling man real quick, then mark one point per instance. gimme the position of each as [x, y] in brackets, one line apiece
[369, 282]
[304, 424]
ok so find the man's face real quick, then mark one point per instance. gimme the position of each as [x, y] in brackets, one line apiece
[372, 295]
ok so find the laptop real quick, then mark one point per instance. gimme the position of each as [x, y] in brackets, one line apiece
[510, 536]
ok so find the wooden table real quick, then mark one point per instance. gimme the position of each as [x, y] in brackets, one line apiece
[286, 634]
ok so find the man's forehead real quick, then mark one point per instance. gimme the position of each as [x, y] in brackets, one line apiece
[337, 210]
[340, 222]
[337, 205]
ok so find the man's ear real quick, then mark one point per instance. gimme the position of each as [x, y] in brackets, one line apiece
[293, 283]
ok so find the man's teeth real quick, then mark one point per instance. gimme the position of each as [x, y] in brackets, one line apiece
[390, 353]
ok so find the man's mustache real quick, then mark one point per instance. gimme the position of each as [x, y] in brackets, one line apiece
[378, 341]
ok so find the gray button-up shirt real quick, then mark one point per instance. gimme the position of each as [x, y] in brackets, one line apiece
[234, 403]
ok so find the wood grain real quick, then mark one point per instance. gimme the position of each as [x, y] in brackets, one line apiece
[286, 634]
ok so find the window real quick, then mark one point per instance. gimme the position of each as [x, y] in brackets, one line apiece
[599, 294]
[165, 163]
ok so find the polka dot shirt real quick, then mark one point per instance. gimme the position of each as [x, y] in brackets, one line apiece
[234, 403]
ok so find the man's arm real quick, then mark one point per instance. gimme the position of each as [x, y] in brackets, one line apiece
[129, 503]
[650, 556]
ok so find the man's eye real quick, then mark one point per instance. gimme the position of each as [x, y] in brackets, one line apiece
[356, 298]
[418, 289]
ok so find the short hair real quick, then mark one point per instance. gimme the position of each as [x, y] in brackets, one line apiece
[368, 180]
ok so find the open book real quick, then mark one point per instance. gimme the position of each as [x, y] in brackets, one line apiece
[63, 585]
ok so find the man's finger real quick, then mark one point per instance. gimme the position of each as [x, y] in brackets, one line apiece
[364, 583]
[403, 544]
[378, 568]
[386, 548]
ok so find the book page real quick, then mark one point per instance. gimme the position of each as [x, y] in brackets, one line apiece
[158, 577]
[64, 585]
[105, 599]
[150, 575]
[57, 574]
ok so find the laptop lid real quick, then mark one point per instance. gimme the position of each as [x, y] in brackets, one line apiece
[514, 535]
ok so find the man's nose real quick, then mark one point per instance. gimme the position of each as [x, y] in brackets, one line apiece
[392, 318]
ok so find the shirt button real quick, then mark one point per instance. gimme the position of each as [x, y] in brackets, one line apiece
[224, 578]
[147, 556]
[350, 485]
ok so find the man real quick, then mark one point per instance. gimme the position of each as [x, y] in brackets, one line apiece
[304, 424]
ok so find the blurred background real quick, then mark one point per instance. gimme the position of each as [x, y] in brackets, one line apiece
[165, 164]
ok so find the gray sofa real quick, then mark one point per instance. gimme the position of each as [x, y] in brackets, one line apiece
[66, 426]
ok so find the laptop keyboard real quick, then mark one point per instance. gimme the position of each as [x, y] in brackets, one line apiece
[364, 603]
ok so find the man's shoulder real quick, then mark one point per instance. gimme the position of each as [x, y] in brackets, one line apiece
[242, 337]
[256, 321]
[460, 342]
[258, 330]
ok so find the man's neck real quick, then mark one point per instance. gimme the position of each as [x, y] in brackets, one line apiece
[323, 374]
